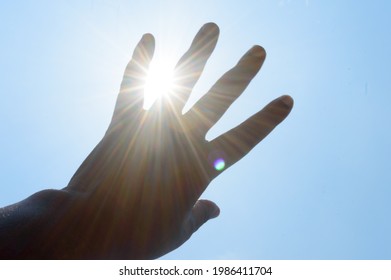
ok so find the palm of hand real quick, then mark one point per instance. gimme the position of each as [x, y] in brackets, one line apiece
[142, 182]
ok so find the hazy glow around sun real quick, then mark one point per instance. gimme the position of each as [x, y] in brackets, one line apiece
[160, 80]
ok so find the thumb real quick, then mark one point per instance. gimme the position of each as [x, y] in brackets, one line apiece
[202, 211]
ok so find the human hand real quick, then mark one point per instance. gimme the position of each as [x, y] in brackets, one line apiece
[137, 193]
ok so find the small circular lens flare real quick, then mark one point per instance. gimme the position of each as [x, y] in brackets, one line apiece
[219, 164]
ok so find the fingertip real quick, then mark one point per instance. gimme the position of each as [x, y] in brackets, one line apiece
[287, 101]
[210, 28]
[145, 48]
[258, 51]
[254, 57]
[148, 41]
[215, 213]
[212, 209]
[147, 38]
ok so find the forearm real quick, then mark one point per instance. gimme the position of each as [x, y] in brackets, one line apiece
[12, 224]
[28, 228]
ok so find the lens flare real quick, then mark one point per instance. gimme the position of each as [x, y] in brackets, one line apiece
[219, 164]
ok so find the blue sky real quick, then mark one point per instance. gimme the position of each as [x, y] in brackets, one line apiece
[317, 188]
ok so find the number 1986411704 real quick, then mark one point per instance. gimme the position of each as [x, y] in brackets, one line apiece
[250, 271]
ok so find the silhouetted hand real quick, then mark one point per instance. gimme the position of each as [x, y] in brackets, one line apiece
[136, 195]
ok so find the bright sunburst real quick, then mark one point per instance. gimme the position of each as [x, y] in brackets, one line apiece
[160, 80]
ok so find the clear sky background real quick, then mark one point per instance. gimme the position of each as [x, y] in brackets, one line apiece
[318, 187]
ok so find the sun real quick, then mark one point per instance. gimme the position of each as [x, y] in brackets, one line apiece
[159, 81]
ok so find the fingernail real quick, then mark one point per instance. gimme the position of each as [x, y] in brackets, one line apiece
[210, 28]
[287, 100]
[147, 37]
[257, 51]
[216, 212]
